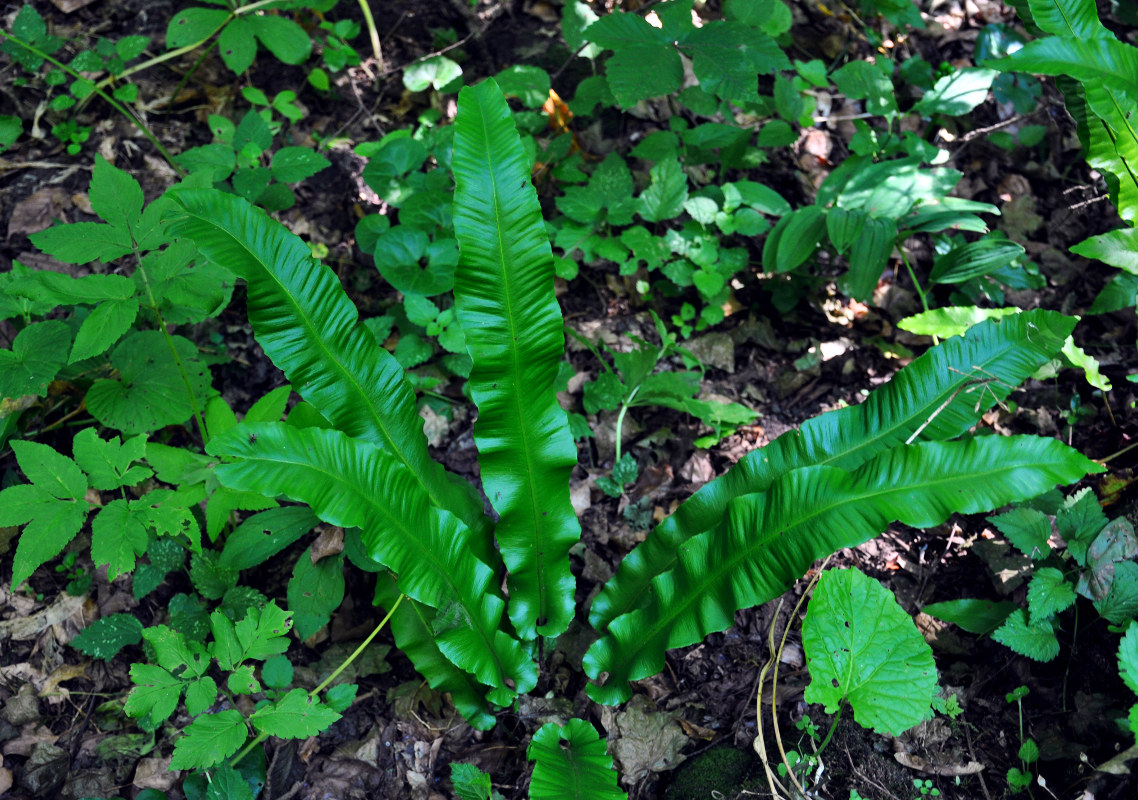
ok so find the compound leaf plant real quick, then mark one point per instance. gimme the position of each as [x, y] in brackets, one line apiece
[905, 455]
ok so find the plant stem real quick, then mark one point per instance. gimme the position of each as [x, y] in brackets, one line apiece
[913, 275]
[323, 684]
[620, 421]
[181, 173]
[373, 34]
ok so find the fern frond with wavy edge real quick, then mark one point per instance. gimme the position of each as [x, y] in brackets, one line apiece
[1007, 351]
[504, 300]
[307, 325]
[1105, 60]
[350, 483]
[1078, 18]
[768, 540]
[411, 625]
[572, 764]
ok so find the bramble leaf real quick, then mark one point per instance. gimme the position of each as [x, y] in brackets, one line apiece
[1036, 639]
[294, 716]
[1027, 529]
[1048, 594]
[209, 740]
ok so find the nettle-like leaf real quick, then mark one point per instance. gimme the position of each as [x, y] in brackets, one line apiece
[307, 325]
[1048, 594]
[862, 648]
[350, 483]
[767, 540]
[936, 397]
[52, 506]
[1034, 639]
[38, 352]
[571, 763]
[1028, 529]
[505, 303]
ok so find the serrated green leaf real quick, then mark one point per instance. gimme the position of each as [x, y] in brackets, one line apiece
[1080, 521]
[155, 694]
[294, 716]
[188, 616]
[242, 681]
[727, 56]
[108, 462]
[571, 763]
[118, 536]
[84, 242]
[1027, 529]
[665, 195]
[1048, 594]
[105, 637]
[115, 196]
[341, 696]
[644, 63]
[505, 302]
[863, 648]
[200, 695]
[295, 164]
[470, 783]
[264, 632]
[50, 471]
[210, 578]
[1034, 640]
[209, 740]
[1121, 605]
[174, 652]
[38, 352]
[103, 327]
[166, 555]
[225, 648]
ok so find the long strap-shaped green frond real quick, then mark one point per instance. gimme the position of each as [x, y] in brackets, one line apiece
[411, 625]
[768, 540]
[951, 385]
[307, 325]
[1078, 18]
[350, 483]
[504, 298]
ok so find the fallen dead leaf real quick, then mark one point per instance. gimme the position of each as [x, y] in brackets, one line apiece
[38, 211]
[330, 542]
[25, 628]
[52, 691]
[921, 765]
[650, 740]
[154, 773]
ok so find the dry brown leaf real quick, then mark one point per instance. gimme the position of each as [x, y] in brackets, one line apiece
[330, 542]
[39, 211]
[25, 628]
[921, 765]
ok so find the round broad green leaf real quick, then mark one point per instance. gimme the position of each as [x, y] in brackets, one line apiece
[427, 211]
[863, 648]
[150, 392]
[276, 673]
[528, 84]
[369, 229]
[437, 71]
[194, 25]
[399, 254]
[237, 45]
[38, 352]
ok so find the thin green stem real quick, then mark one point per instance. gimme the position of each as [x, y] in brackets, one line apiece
[151, 62]
[833, 727]
[110, 101]
[185, 78]
[913, 276]
[323, 684]
[620, 421]
[373, 34]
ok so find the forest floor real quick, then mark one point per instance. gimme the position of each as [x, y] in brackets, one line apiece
[688, 733]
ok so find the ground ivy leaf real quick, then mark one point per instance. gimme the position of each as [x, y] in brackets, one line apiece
[37, 353]
[209, 740]
[1027, 529]
[294, 716]
[104, 637]
[200, 695]
[118, 536]
[156, 692]
[862, 647]
[103, 327]
[341, 696]
[115, 196]
[1037, 642]
[437, 71]
[1048, 594]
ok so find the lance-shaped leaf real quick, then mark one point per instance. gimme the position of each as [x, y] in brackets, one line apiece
[307, 325]
[768, 540]
[939, 396]
[506, 306]
[349, 483]
[1078, 18]
[411, 625]
[1103, 60]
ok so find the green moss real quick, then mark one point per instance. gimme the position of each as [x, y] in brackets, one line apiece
[722, 768]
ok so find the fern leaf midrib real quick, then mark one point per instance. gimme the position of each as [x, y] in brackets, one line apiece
[723, 568]
[340, 367]
[515, 396]
[408, 536]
